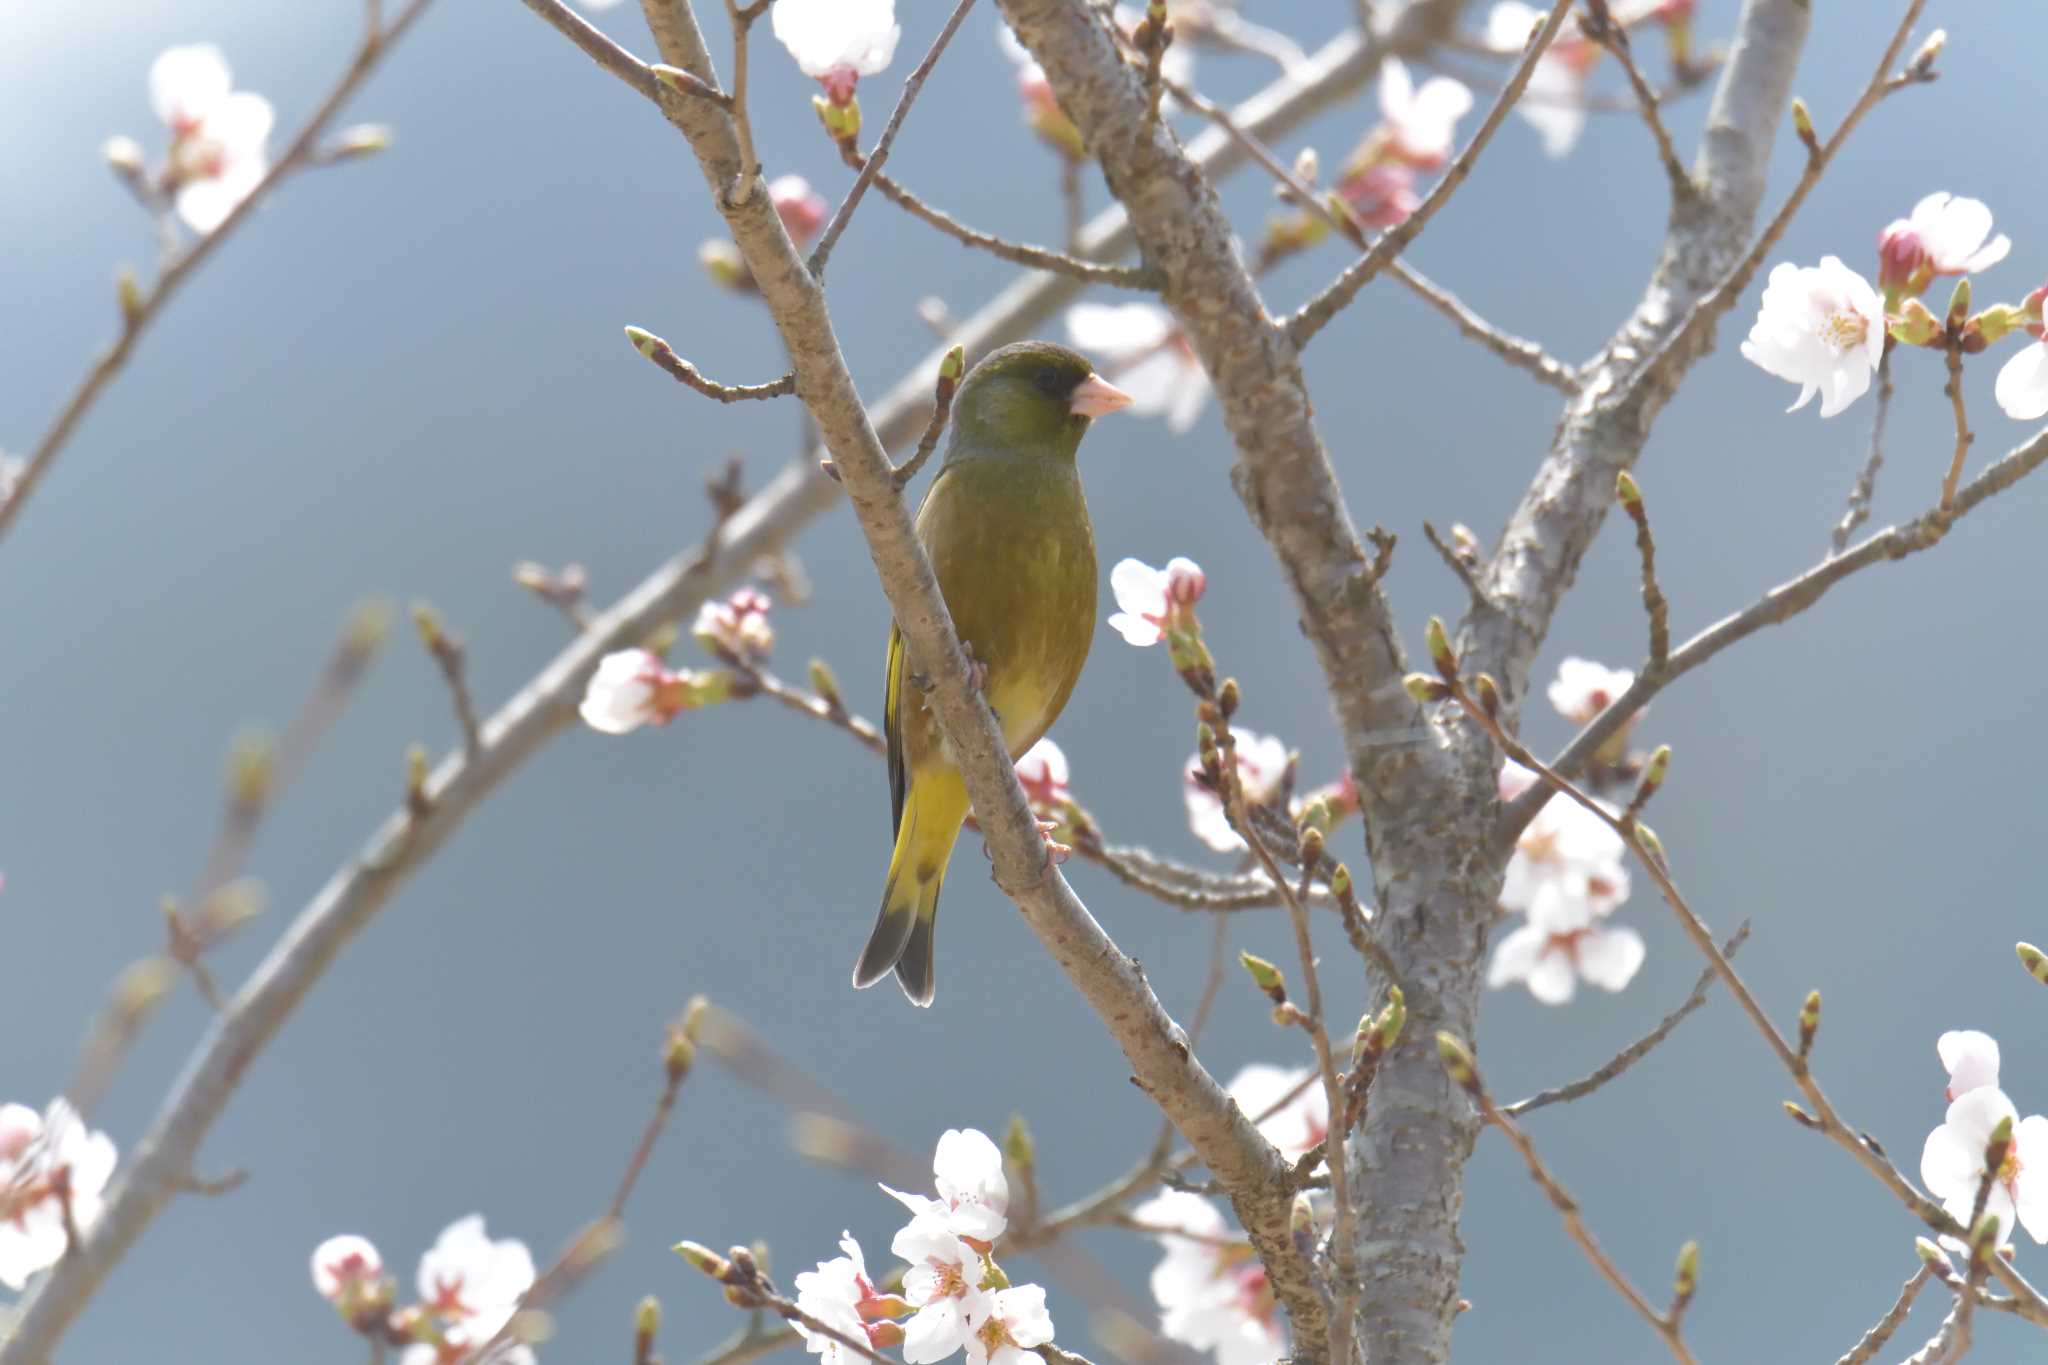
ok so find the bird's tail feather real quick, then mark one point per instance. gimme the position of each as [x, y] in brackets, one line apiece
[902, 937]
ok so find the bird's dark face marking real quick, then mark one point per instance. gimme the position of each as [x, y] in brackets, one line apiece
[1020, 398]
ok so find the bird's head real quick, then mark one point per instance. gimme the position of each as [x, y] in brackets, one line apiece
[1032, 397]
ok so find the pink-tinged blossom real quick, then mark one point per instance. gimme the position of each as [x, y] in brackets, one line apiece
[943, 1283]
[470, 1286]
[973, 1193]
[1947, 234]
[1382, 195]
[1296, 1127]
[1569, 866]
[1971, 1060]
[737, 627]
[1042, 112]
[1551, 962]
[1141, 347]
[1554, 101]
[626, 692]
[1212, 1291]
[802, 209]
[1150, 601]
[834, 1294]
[2022, 388]
[1821, 328]
[1952, 1163]
[1043, 773]
[344, 1265]
[1421, 122]
[1261, 767]
[836, 42]
[218, 134]
[48, 1161]
[1583, 688]
[1008, 1324]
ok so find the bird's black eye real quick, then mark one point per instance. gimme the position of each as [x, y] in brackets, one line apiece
[1047, 380]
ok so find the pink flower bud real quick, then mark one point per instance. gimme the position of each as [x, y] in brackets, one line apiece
[802, 209]
[1903, 265]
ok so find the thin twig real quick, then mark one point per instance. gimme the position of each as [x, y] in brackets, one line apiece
[1779, 605]
[950, 371]
[1073, 212]
[1568, 1210]
[451, 657]
[1634, 1052]
[750, 166]
[176, 271]
[1598, 25]
[873, 165]
[1467, 572]
[1964, 438]
[1654, 604]
[683, 372]
[1873, 1341]
[1017, 253]
[1312, 316]
[1865, 488]
[1941, 1347]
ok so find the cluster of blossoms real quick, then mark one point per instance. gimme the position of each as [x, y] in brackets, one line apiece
[217, 154]
[1211, 1289]
[636, 687]
[1826, 328]
[954, 1294]
[53, 1178]
[1569, 873]
[1953, 1163]
[469, 1288]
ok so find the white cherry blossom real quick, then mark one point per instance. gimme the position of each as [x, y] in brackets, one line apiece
[2022, 389]
[1952, 1163]
[1008, 1324]
[622, 695]
[1822, 328]
[833, 1294]
[218, 134]
[1421, 123]
[1970, 1058]
[1551, 962]
[1955, 234]
[46, 1161]
[943, 1283]
[974, 1194]
[472, 1286]
[1043, 772]
[1148, 599]
[1142, 349]
[1569, 867]
[1554, 101]
[1212, 1291]
[1583, 688]
[343, 1263]
[1295, 1127]
[836, 42]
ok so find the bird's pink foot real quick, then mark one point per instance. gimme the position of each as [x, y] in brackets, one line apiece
[1055, 851]
[977, 671]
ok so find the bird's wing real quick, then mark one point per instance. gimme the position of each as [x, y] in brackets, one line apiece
[892, 729]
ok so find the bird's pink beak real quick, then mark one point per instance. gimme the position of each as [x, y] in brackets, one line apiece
[1097, 397]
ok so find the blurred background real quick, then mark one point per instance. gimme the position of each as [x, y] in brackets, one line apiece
[405, 375]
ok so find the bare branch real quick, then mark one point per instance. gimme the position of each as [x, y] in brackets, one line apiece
[1017, 253]
[683, 372]
[1634, 1052]
[1865, 488]
[1599, 25]
[1873, 1341]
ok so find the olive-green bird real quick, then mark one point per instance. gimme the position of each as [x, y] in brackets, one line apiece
[1007, 531]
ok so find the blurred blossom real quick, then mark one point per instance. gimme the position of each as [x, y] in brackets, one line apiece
[1261, 766]
[974, 1194]
[1554, 101]
[624, 693]
[1583, 688]
[1043, 772]
[802, 209]
[1010, 1322]
[833, 1294]
[1421, 124]
[1566, 875]
[1381, 195]
[1141, 347]
[1212, 1291]
[218, 135]
[342, 1264]
[737, 627]
[1822, 328]
[943, 1284]
[1296, 1127]
[1970, 1058]
[1952, 1163]
[1550, 962]
[1152, 601]
[1042, 112]
[2022, 388]
[836, 42]
[48, 1161]
[471, 1286]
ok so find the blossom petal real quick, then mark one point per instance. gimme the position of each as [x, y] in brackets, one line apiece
[2022, 388]
[1610, 957]
[185, 82]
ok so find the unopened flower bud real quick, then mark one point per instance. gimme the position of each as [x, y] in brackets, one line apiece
[1228, 698]
[1802, 124]
[1488, 692]
[1685, 1280]
[1265, 976]
[1809, 1022]
[1916, 325]
[1652, 845]
[2034, 960]
[703, 1258]
[364, 139]
[252, 769]
[1800, 1116]
[1392, 1019]
[123, 155]
[722, 262]
[1301, 1222]
[1307, 166]
[1959, 304]
[1424, 688]
[1923, 60]
[646, 1322]
[1438, 641]
[427, 622]
[1628, 491]
[128, 294]
[678, 1054]
[1018, 1148]
[1653, 774]
[1457, 1060]
[1340, 882]
[842, 121]
[1311, 847]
